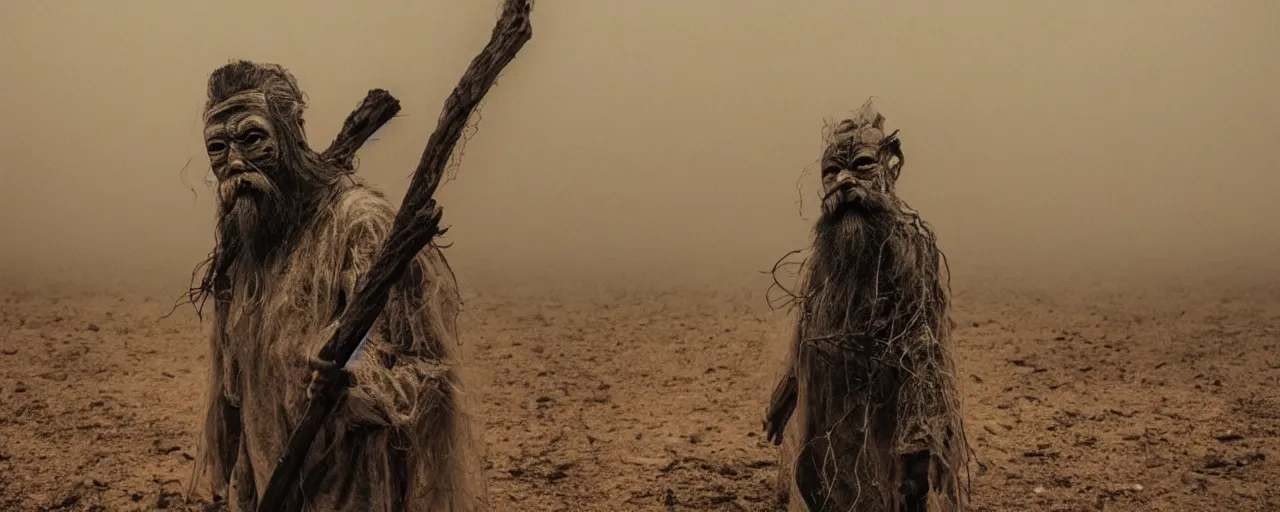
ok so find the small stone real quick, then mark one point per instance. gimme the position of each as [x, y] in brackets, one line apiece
[166, 499]
[656, 462]
[93, 327]
[68, 502]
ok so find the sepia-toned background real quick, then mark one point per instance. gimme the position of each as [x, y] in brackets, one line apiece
[1101, 175]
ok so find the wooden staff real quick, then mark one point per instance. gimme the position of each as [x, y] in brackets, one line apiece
[416, 224]
[377, 107]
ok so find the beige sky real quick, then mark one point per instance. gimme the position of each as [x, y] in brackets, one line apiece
[666, 138]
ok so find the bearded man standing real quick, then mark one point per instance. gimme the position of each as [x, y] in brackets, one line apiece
[870, 377]
[294, 234]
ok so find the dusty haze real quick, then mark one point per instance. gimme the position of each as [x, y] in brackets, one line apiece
[666, 138]
[637, 142]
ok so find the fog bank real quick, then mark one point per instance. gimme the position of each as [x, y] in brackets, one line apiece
[670, 139]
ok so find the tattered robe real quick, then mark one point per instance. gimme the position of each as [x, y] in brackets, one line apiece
[399, 439]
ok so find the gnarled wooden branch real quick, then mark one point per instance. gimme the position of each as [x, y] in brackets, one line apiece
[416, 224]
[377, 107]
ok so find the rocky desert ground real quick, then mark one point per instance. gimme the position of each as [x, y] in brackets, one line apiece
[1142, 397]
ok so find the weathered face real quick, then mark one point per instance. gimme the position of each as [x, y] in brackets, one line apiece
[859, 169]
[242, 145]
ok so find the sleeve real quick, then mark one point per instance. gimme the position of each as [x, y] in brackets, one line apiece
[399, 377]
[221, 436]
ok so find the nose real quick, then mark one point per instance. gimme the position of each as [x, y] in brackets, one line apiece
[844, 178]
[236, 166]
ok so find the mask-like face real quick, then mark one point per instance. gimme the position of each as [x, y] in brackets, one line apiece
[242, 145]
[860, 166]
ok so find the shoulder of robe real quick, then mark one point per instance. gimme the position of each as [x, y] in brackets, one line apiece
[363, 213]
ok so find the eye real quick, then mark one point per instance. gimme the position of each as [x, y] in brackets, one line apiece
[216, 146]
[253, 137]
[830, 169]
[863, 162]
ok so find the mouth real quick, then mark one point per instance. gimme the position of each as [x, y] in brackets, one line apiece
[844, 196]
[240, 184]
[850, 199]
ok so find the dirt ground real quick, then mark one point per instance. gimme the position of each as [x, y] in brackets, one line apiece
[1160, 398]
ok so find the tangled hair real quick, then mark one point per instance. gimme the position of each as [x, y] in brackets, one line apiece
[308, 175]
[405, 431]
[401, 438]
[876, 377]
[845, 131]
[874, 380]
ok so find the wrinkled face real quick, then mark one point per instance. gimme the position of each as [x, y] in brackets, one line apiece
[242, 145]
[859, 170]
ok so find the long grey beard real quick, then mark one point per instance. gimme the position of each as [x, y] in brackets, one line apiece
[867, 273]
[253, 216]
[875, 377]
[841, 289]
[243, 225]
[253, 227]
